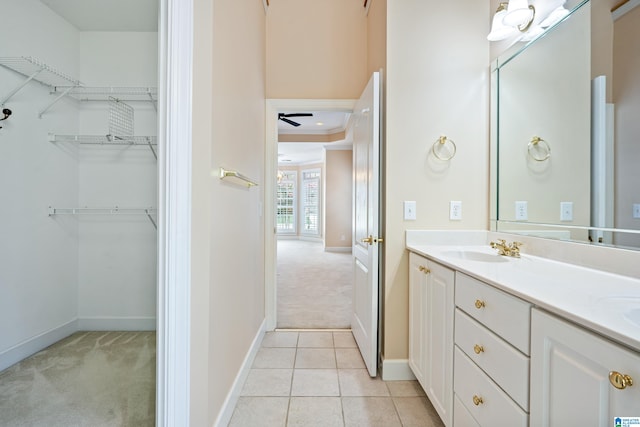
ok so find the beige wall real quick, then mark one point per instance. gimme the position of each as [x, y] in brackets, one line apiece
[437, 83]
[316, 49]
[602, 42]
[377, 37]
[338, 178]
[201, 413]
[626, 93]
[228, 268]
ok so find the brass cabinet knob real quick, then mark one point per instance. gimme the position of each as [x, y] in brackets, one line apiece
[477, 400]
[620, 381]
[478, 349]
[479, 304]
[424, 269]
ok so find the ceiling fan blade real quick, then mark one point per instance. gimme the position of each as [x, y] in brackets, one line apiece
[296, 115]
[291, 122]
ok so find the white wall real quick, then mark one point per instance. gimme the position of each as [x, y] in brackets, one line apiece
[38, 254]
[117, 255]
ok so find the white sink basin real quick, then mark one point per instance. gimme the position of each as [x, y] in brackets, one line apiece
[471, 255]
[628, 306]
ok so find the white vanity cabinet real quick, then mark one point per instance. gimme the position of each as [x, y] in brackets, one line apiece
[491, 368]
[431, 307]
[570, 375]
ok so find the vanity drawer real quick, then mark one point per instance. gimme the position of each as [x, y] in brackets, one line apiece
[461, 415]
[506, 315]
[503, 363]
[495, 407]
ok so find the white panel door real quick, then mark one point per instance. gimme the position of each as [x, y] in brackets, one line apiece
[366, 168]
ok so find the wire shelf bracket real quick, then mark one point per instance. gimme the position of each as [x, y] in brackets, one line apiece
[36, 70]
[106, 211]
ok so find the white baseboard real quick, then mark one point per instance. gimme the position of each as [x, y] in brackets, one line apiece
[397, 370]
[116, 324]
[33, 345]
[338, 249]
[234, 394]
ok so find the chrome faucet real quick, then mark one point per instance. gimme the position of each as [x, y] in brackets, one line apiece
[511, 249]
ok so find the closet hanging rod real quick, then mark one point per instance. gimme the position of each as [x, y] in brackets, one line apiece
[106, 211]
[226, 173]
[104, 139]
[103, 93]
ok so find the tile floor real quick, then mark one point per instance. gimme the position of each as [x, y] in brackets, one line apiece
[319, 379]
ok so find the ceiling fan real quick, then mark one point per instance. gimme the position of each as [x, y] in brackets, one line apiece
[283, 117]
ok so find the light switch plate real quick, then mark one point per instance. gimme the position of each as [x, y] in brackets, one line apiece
[636, 210]
[566, 211]
[521, 211]
[455, 210]
[410, 210]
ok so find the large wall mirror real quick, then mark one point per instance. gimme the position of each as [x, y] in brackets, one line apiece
[566, 129]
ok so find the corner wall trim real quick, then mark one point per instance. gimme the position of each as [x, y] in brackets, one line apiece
[234, 394]
[397, 370]
[33, 345]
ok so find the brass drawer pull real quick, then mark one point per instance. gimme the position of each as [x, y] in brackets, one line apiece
[479, 304]
[477, 400]
[620, 381]
[478, 349]
[424, 269]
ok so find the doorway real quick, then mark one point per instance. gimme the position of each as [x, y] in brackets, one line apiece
[271, 191]
[313, 220]
[80, 245]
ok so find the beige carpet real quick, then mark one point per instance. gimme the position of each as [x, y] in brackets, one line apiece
[314, 286]
[88, 379]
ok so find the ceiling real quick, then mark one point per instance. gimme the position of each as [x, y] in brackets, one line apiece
[295, 153]
[108, 15]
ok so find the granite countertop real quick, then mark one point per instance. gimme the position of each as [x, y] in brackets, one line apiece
[604, 302]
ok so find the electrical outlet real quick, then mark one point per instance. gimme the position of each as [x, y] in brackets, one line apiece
[566, 211]
[410, 210]
[455, 210]
[636, 210]
[521, 211]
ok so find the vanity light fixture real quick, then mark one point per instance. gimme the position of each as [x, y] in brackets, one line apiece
[522, 21]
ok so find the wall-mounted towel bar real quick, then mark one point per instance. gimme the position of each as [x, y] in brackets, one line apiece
[226, 173]
[106, 211]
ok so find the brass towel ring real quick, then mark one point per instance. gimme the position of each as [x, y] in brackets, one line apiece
[439, 146]
[538, 149]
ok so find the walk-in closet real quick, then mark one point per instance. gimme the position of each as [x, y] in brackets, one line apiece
[79, 192]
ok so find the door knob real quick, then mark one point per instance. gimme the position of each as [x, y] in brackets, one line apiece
[368, 240]
[620, 381]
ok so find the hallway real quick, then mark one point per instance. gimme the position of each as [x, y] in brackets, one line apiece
[317, 378]
[314, 286]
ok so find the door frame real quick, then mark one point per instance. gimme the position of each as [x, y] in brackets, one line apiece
[273, 106]
[175, 65]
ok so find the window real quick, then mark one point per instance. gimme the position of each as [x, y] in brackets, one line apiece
[311, 202]
[286, 203]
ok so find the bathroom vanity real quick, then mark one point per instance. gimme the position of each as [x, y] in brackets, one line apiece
[505, 341]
